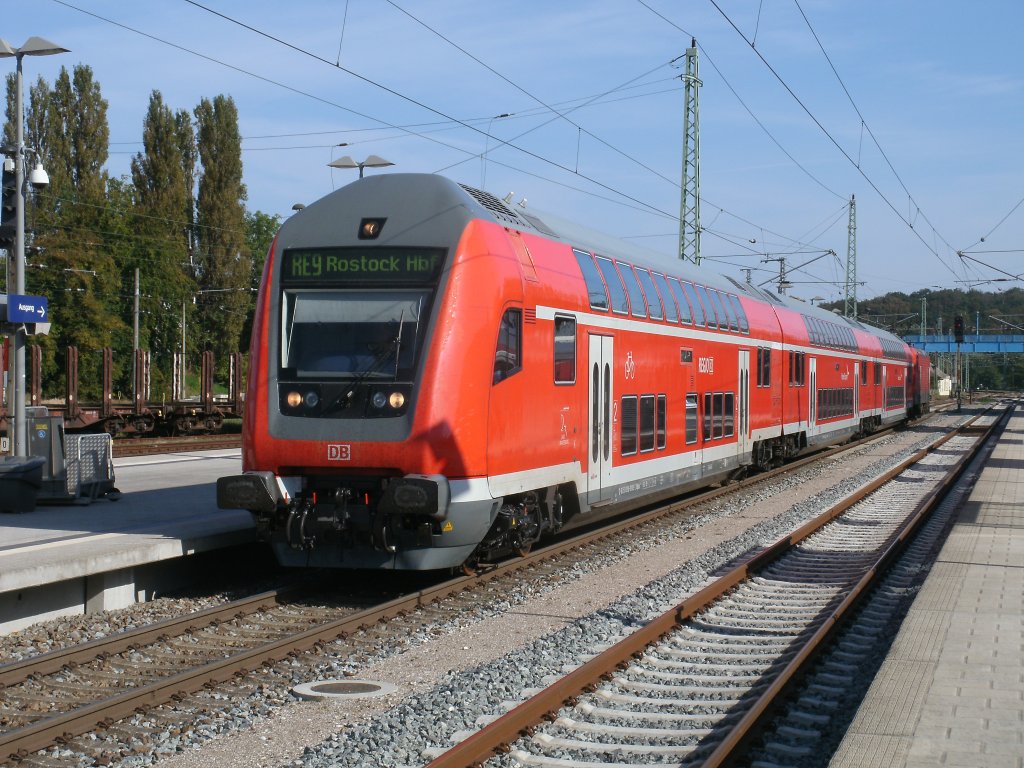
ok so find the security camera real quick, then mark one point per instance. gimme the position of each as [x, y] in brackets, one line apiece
[38, 178]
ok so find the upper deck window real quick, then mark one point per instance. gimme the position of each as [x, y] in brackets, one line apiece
[596, 292]
[615, 285]
[637, 302]
[713, 321]
[654, 303]
[699, 318]
[671, 308]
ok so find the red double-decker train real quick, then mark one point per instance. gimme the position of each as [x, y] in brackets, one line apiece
[437, 378]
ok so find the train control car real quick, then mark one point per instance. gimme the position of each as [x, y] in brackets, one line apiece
[438, 378]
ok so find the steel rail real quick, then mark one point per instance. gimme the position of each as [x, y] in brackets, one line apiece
[519, 721]
[17, 672]
[19, 743]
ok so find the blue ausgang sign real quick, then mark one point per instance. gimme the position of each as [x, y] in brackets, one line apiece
[27, 309]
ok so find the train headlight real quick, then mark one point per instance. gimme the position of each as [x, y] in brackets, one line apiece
[379, 399]
[397, 400]
[312, 399]
[294, 399]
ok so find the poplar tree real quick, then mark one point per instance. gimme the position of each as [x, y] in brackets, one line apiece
[161, 254]
[77, 270]
[222, 258]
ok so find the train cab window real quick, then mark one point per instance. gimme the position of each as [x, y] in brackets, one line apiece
[662, 415]
[637, 302]
[592, 277]
[685, 313]
[616, 288]
[671, 310]
[565, 350]
[710, 316]
[353, 333]
[699, 318]
[722, 302]
[741, 316]
[729, 414]
[654, 302]
[508, 354]
[691, 418]
[627, 444]
[647, 423]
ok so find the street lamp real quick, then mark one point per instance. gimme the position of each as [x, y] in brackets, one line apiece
[373, 161]
[34, 46]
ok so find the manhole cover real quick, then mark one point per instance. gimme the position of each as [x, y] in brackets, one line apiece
[336, 689]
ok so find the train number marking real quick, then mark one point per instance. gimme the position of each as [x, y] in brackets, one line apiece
[706, 364]
[339, 452]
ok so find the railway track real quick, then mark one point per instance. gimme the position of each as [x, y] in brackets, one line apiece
[203, 651]
[693, 685]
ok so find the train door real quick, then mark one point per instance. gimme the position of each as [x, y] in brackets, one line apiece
[812, 393]
[743, 418]
[599, 470]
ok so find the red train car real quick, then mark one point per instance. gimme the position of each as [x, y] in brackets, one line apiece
[437, 377]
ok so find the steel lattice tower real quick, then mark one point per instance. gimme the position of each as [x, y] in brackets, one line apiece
[689, 204]
[850, 306]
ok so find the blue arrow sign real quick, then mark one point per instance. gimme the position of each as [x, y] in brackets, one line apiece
[27, 309]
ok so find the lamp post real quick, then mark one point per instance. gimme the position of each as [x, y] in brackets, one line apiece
[34, 46]
[373, 161]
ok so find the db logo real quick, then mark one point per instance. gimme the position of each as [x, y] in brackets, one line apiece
[339, 452]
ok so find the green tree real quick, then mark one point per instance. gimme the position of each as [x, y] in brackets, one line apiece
[162, 257]
[70, 261]
[222, 258]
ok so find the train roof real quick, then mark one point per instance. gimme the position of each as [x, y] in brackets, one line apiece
[423, 196]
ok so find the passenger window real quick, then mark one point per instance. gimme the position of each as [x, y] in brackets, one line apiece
[699, 318]
[709, 309]
[509, 352]
[627, 446]
[723, 305]
[565, 350]
[718, 416]
[691, 417]
[741, 316]
[707, 416]
[646, 423]
[671, 310]
[616, 288]
[662, 416]
[595, 285]
[637, 304]
[654, 304]
[730, 416]
[684, 305]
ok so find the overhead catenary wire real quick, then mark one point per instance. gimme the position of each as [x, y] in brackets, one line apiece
[833, 140]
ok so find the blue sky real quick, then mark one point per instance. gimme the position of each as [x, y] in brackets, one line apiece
[937, 85]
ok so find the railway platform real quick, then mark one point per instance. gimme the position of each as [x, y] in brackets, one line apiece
[951, 691]
[69, 559]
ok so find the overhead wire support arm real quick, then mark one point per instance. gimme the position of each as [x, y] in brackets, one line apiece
[689, 200]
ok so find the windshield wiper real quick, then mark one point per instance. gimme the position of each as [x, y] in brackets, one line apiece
[391, 347]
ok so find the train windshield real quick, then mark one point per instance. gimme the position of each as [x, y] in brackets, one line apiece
[351, 333]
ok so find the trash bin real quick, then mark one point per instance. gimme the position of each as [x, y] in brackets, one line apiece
[20, 480]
